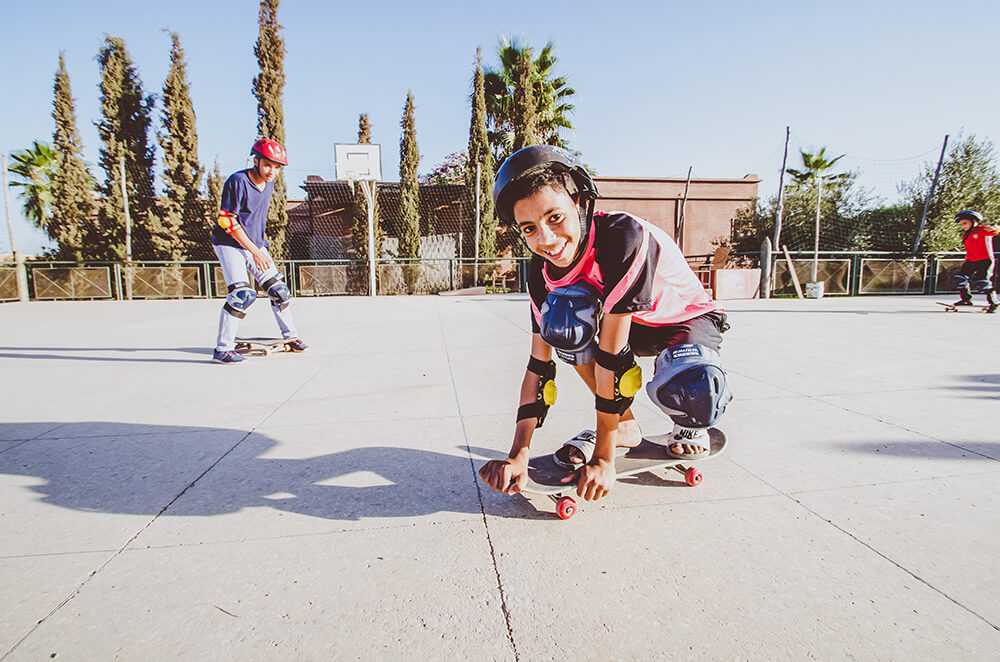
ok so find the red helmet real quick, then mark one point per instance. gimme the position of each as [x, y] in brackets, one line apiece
[271, 150]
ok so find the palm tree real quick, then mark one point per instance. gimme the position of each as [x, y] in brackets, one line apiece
[814, 174]
[551, 94]
[34, 167]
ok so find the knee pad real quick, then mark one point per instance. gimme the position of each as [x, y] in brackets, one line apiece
[545, 396]
[628, 380]
[241, 296]
[690, 386]
[278, 292]
[960, 281]
[571, 317]
[984, 286]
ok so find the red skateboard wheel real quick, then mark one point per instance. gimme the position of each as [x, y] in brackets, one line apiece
[565, 507]
[693, 477]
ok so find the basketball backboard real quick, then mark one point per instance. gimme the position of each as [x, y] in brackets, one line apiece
[358, 162]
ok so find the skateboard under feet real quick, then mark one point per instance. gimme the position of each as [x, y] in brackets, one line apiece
[262, 346]
[545, 476]
[952, 308]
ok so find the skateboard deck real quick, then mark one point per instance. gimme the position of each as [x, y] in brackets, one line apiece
[262, 346]
[952, 308]
[545, 476]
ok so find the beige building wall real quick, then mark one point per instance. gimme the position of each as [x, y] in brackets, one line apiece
[708, 213]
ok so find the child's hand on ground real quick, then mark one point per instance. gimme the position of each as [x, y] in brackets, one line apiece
[595, 479]
[507, 476]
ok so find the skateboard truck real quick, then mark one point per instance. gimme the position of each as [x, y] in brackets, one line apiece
[262, 346]
[566, 505]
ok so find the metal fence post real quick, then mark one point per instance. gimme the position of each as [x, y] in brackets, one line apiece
[854, 283]
[119, 296]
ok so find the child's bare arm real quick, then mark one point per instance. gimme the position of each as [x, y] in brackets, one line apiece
[509, 475]
[597, 477]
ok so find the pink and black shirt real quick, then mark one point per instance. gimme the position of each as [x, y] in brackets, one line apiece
[635, 266]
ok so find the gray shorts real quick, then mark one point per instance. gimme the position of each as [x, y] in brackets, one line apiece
[706, 329]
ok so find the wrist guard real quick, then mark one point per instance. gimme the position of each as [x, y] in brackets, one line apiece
[545, 396]
[628, 380]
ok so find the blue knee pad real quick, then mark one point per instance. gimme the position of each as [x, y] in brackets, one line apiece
[690, 386]
[983, 286]
[241, 296]
[960, 281]
[278, 292]
[571, 318]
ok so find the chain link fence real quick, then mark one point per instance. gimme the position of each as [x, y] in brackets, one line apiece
[844, 274]
[53, 280]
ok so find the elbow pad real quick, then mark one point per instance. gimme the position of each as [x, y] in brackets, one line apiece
[228, 221]
[628, 380]
[545, 396]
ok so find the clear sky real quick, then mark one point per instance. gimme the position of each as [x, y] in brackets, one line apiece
[661, 85]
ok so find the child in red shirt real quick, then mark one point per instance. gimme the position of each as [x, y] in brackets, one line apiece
[977, 270]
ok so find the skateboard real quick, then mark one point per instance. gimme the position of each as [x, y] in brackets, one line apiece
[262, 346]
[544, 475]
[952, 308]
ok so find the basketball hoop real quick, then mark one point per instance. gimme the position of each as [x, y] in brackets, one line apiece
[362, 163]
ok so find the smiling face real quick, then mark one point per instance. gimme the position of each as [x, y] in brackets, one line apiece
[549, 221]
[965, 224]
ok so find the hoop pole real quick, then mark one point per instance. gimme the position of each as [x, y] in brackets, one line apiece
[366, 186]
[475, 282]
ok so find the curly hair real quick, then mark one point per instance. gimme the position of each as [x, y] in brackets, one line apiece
[548, 174]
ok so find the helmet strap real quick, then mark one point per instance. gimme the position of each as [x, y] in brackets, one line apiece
[586, 211]
[256, 167]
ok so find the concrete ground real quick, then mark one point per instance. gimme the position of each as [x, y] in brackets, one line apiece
[325, 505]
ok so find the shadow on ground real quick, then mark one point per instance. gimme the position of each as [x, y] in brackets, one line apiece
[191, 471]
[983, 386]
[81, 354]
[972, 451]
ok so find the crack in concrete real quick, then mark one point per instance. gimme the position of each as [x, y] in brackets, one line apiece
[869, 546]
[482, 509]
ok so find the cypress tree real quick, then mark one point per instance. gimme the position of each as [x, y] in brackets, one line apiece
[182, 205]
[480, 153]
[360, 230]
[214, 181]
[72, 186]
[267, 88]
[124, 131]
[213, 187]
[524, 119]
[524, 111]
[409, 187]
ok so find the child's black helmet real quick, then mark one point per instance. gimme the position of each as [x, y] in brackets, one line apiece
[969, 215]
[525, 160]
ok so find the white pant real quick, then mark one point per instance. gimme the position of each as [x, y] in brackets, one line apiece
[237, 266]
